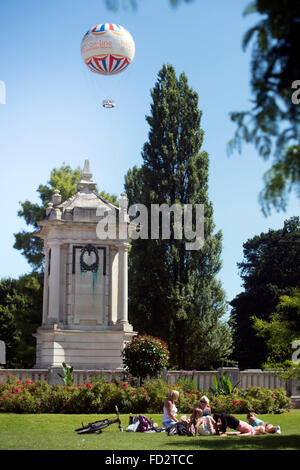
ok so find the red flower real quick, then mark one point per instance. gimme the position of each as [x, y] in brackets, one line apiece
[125, 385]
[88, 385]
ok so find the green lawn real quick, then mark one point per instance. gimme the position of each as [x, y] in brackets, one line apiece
[56, 432]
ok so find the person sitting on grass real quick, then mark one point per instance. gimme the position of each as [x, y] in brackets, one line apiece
[200, 424]
[170, 410]
[205, 406]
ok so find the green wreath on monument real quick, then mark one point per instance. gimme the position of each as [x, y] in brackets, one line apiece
[84, 267]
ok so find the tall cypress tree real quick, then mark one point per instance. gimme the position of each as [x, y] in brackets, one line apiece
[173, 292]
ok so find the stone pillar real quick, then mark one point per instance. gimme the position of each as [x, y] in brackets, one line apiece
[46, 285]
[54, 283]
[123, 285]
[53, 377]
[113, 286]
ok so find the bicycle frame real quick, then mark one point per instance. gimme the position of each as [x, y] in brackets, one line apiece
[97, 426]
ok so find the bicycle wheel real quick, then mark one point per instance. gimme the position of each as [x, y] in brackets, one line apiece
[85, 430]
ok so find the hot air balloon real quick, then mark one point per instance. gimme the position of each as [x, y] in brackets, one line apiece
[107, 49]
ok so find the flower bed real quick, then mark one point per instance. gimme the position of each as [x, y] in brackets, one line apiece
[101, 397]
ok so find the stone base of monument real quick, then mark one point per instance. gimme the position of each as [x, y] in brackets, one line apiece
[82, 349]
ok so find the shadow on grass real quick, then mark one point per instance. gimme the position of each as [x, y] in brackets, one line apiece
[290, 442]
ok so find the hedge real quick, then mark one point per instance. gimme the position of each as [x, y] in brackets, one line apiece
[101, 397]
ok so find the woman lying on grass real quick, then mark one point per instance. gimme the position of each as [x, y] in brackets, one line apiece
[254, 420]
[224, 421]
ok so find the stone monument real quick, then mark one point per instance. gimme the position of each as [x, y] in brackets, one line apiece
[85, 316]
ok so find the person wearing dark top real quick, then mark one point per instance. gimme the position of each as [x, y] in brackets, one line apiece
[224, 420]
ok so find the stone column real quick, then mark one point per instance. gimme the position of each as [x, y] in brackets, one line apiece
[54, 282]
[113, 285]
[46, 284]
[123, 285]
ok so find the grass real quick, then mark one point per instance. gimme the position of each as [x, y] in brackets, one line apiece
[56, 432]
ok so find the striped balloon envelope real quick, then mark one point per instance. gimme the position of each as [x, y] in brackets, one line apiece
[107, 49]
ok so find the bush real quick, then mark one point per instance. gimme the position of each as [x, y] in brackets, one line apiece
[145, 356]
[102, 397]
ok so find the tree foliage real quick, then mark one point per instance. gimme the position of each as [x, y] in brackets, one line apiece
[145, 356]
[173, 292]
[272, 124]
[64, 179]
[20, 316]
[281, 330]
[269, 270]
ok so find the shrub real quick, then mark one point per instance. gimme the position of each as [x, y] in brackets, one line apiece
[232, 404]
[157, 391]
[102, 397]
[145, 356]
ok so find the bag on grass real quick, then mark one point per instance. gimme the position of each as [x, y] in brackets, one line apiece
[180, 428]
[132, 427]
[144, 424]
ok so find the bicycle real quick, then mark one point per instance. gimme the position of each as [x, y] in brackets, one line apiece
[98, 426]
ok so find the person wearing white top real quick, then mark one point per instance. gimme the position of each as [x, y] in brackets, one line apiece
[170, 410]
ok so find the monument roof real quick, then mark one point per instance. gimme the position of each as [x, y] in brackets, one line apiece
[86, 205]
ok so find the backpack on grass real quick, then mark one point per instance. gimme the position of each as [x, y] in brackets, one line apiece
[180, 428]
[144, 424]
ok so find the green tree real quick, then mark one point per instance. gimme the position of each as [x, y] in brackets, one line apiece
[20, 315]
[9, 332]
[269, 270]
[281, 330]
[273, 123]
[173, 292]
[64, 179]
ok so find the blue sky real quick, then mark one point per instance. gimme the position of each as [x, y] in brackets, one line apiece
[52, 113]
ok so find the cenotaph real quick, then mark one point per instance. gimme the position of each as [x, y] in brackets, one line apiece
[85, 315]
